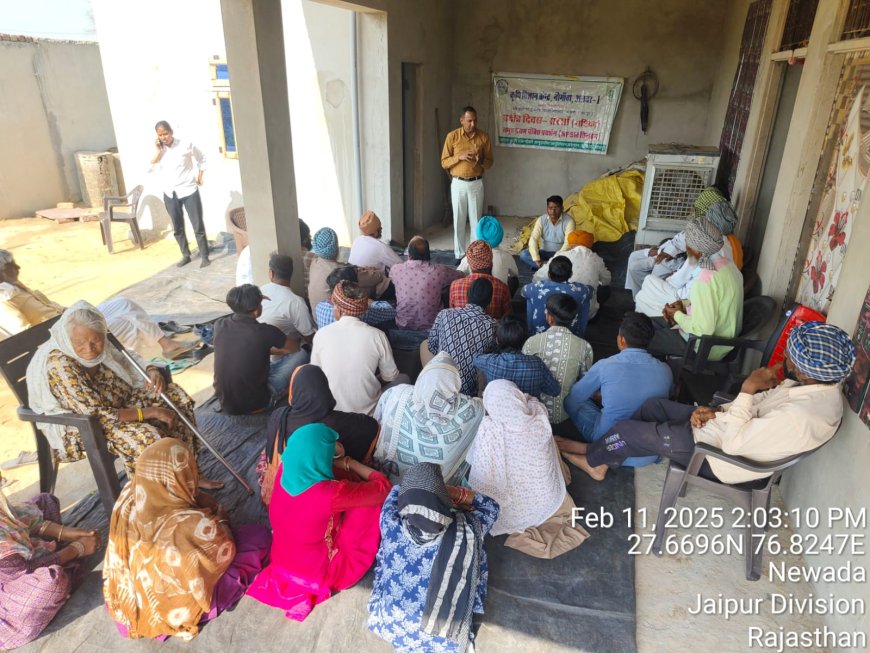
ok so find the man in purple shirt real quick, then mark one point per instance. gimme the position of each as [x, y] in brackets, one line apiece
[418, 285]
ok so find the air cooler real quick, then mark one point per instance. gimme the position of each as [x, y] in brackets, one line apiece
[675, 175]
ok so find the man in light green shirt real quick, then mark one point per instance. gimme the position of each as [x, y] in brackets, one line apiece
[715, 304]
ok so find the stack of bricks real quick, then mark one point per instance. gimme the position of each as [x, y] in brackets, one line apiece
[13, 37]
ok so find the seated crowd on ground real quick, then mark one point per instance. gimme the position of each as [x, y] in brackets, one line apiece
[360, 467]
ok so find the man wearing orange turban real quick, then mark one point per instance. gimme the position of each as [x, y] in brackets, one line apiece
[369, 250]
[583, 238]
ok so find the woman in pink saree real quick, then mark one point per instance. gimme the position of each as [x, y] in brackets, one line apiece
[325, 530]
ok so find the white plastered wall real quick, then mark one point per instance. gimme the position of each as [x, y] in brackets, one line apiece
[156, 58]
[317, 41]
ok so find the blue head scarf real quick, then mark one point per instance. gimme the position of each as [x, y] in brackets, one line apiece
[490, 230]
[325, 244]
[307, 458]
[821, 351]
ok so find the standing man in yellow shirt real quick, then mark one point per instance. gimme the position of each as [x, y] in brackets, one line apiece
[467, 153]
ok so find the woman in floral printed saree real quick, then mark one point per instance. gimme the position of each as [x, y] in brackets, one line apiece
[77, 371]
[431, 570]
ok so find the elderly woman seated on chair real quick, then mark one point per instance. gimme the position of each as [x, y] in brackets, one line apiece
[76, 371]
[769, 420]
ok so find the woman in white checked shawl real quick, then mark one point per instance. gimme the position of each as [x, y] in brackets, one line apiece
[430, 421]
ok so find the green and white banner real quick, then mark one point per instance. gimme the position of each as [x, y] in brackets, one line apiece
[554, 112]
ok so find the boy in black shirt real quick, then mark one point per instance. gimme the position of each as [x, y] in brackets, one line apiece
[245, 380]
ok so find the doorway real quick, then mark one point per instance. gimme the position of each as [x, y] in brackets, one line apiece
[412, 142]
[778, 134]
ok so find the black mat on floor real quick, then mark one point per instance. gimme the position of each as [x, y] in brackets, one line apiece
[239, 439]
[443, 256]
[583, 599]
[602, 330]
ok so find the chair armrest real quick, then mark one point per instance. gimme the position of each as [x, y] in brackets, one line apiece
[112, 198]
[696, 360]
[720, 398]
[703, 450]
[116, 206]
[64, 419]
[689, 353]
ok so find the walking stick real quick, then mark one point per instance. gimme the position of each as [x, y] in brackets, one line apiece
[183, 417]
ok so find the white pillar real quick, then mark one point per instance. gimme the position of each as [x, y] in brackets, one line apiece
[254, 36]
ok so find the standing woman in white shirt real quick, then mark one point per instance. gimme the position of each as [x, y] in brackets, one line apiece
[181, 165]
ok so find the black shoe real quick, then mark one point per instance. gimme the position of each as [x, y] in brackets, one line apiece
[184, 261]
[173, 327]
[198, 354]
[204, 263]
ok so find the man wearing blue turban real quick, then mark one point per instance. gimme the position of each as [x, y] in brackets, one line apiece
[769, 420]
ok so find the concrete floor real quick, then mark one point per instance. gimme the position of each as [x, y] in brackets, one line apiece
[666, 587]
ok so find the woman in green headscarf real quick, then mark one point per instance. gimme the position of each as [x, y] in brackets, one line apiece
[324, 514]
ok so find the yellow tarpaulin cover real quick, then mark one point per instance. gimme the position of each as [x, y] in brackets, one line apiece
[608, 207]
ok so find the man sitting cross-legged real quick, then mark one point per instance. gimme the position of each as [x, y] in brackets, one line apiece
[355, 357]
[504, 267]
[324, 261]
[418, 284]
[767, 421]
[586, 267]
[379, 314]
[536, 295]
[549, 235]
[282, 307]
[529, 373]
[479, 257]
[244, 379]
[614, 388]
[463, 333]
[566, 355]
[368, 249]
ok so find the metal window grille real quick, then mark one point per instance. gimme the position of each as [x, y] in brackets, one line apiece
[857, 20]
[737, 114]
[674, 192]
[798, 24]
